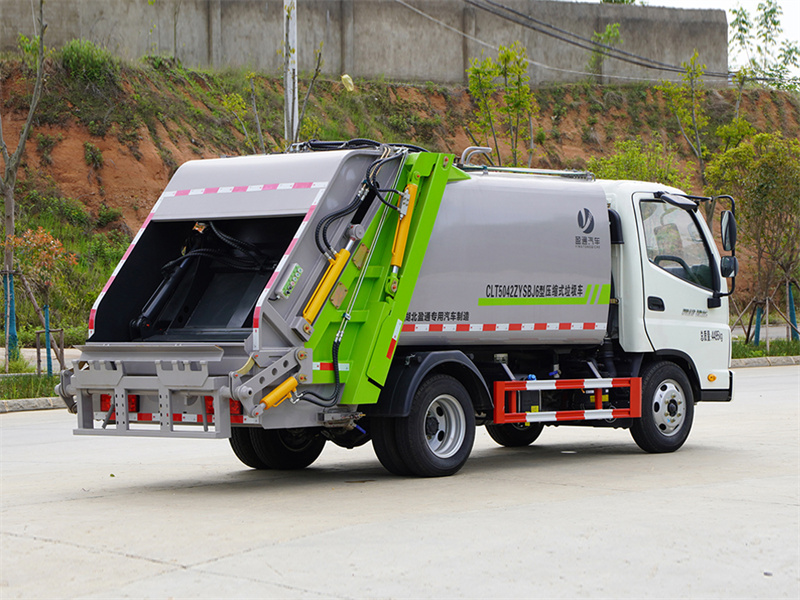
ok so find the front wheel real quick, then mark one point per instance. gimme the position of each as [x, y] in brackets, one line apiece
[437, 436]
[667, 408]
[287, 449]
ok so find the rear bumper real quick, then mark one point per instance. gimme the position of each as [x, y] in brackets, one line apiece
[150, 389]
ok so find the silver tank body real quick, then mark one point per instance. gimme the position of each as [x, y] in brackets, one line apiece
[514, 259]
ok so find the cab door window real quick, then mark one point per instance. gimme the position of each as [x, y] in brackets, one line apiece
[675, 242]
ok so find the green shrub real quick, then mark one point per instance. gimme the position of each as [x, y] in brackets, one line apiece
[107, 249]
[642, 161]
[89, 63]
[45, 144]
[59, 209]
[92, 155]
[30, 50]
[106, 216]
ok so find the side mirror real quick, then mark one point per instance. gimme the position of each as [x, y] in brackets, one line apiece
[728, 230]
[729, 265]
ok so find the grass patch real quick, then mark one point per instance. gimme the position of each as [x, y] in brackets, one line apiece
[27, 386]
[18, 365]
[776, 348]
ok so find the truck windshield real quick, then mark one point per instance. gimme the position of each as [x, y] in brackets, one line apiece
[675, 243]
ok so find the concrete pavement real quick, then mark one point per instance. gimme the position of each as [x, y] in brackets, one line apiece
[581, 513]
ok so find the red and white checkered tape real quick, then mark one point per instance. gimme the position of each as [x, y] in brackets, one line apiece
[328, 366]
[565, 384]
[393, 343]
[303, 185]
[141, 417]
[486, 327]
[284, 259]
[240, 189]
[576, 415]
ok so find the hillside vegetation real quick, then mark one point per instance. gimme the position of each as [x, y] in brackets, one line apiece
[108, 136]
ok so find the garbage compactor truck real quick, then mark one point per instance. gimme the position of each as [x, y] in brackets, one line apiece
[356, 291]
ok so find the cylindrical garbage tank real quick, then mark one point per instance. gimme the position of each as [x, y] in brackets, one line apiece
[514, 259]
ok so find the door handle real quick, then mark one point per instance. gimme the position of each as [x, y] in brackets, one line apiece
[655, 303]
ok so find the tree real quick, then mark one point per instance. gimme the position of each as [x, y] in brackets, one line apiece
[8, 184]
[176, 10]
[608, 38]
[482, 74]
[41, 258]
[517, 108]
[686, 102]
[318, 63]
[518, 101]
[643, 161]
[235, 105]
[763, 174]
[766, 55]
[739, 128]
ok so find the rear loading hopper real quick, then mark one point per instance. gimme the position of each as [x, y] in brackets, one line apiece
[237, 285]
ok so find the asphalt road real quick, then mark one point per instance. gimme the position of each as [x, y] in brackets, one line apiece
[581, 513]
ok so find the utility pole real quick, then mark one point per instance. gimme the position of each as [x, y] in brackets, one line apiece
[290, 71]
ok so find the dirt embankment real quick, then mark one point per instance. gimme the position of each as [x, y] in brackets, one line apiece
[174, 116]
[573, 124]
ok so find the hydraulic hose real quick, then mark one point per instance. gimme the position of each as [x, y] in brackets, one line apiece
[354, 144]
[327, 401]
[370, 187]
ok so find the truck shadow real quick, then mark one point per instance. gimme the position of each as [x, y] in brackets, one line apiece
[484, 466]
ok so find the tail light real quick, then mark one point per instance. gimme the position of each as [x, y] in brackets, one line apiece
[236, 406]
[105, 402]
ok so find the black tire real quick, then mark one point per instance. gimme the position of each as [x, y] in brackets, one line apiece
[437, 436]
[384, 443]
[242, 446]
[287, 449]
[514, 435]
[667, 408]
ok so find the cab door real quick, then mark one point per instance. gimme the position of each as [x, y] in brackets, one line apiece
[680, 273]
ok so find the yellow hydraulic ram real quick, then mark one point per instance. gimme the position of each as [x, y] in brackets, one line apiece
[401, 234]
[280, 393]
[335, 267]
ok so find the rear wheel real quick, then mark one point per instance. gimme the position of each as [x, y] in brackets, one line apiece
[514, 435]
[437, 436]
[384, 443]
[287, 449]
[667, 408]
[242, 446]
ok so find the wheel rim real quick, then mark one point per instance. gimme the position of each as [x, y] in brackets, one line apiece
[445, 426]
[295, 440]
[669, 407]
